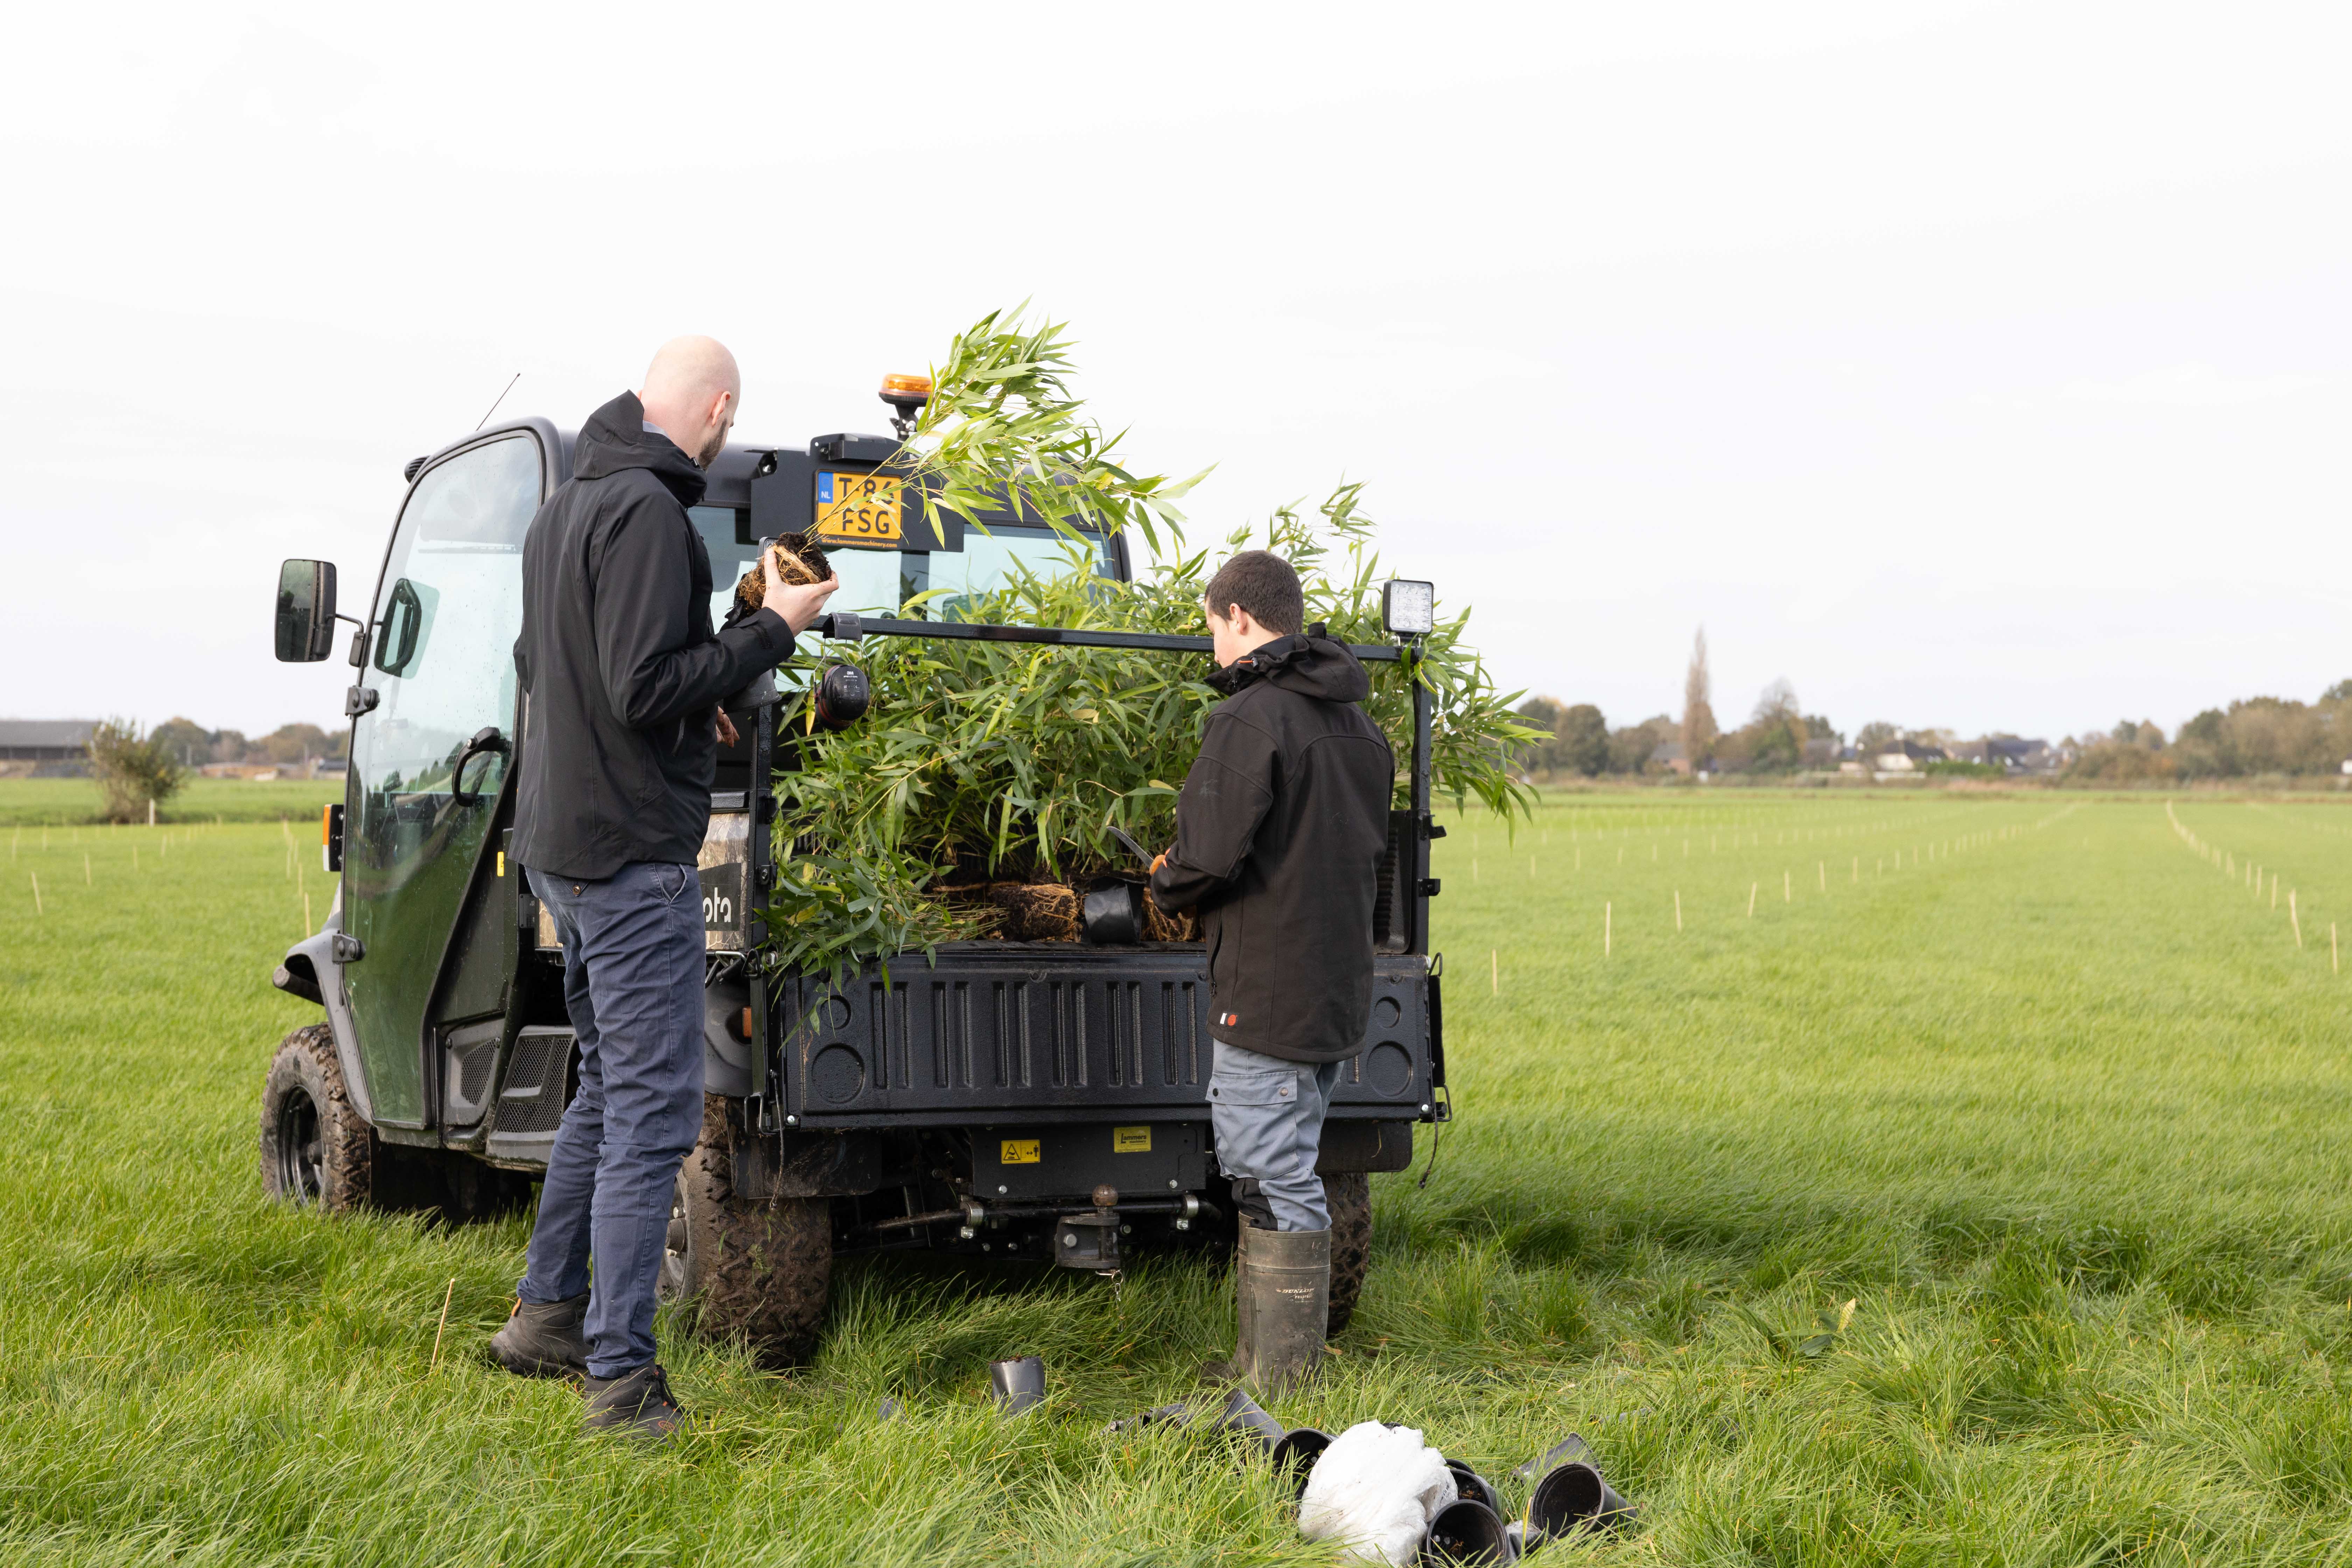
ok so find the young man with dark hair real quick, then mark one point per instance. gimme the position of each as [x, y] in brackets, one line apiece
[1279, 834]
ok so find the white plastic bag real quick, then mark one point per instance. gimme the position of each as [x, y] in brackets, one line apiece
[1374, 1490]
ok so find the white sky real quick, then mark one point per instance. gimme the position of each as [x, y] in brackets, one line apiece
[1977, 366]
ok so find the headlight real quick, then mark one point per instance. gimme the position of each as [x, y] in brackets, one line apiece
[1408, 608]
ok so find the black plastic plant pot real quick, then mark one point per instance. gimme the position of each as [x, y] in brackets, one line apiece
[1295, 1456]
[843, 696]
[1019, 1382]
[1112, 914]
[1474, 1487]
[1568, 1448]
[1574, 1496]
[1242, 1413]
[1466, 1532]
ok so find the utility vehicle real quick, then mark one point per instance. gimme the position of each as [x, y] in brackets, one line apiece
[1014, 1100]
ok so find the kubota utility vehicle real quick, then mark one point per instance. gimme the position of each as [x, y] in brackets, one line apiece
[1021, 1100]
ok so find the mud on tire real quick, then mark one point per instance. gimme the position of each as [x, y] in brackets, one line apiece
[1348, 1196]
[758, 1270]
[315, 1150]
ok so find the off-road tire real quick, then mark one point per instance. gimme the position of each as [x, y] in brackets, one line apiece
[1348, 1195]
[315, 1149]
[754, 1270]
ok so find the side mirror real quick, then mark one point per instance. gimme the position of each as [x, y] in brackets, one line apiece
[305, 611]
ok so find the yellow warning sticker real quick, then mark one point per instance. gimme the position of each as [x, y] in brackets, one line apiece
[502, 862]
[1131, 1140]
[1019, 1152]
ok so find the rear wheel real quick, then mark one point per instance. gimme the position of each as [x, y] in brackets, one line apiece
[1348, 1195]
[758, 1270]
[315, 1150]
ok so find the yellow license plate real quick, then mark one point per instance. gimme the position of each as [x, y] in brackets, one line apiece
[1131, 1140]
[856, 509]
[1019, 1152]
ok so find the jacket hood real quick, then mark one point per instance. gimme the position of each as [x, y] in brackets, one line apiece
[1306, 662]
[616, 438]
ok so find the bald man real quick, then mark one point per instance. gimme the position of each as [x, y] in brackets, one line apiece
[623, 676]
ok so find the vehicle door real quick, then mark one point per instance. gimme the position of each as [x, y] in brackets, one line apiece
[424, 790]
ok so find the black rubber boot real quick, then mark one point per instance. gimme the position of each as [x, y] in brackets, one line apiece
[635, 1404]
[544, 1339]
[1282, 1297]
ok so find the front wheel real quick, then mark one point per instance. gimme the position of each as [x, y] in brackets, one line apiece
[755, 1269]
[315, 1150]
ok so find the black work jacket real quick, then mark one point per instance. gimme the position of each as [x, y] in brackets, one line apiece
[621, 668]
[1279, 834]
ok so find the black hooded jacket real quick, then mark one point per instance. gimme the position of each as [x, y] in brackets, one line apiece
[1280, 835]
[621, 668]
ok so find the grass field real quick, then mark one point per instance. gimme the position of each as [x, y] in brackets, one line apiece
[2042, 1085]
[71, 802]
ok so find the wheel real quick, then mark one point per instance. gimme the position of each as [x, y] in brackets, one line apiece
[315, 1150]
[1348, 1195]
[757, 1270]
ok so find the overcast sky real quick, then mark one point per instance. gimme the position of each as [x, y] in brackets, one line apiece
[1974, 366]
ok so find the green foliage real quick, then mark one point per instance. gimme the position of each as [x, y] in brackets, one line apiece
[1002, 430]
[132, 769]
[991, 761]
[1951, 770]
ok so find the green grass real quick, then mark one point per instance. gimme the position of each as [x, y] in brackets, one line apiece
[2061, 1105]
[67, 802]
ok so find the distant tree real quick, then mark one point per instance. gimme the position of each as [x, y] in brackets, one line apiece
[1699, 729]
[1631, 747]
[133, 770]
[229, 746]
[1819, 727]
[185, 741]
[1583, 740]
[1778, 700]
[2339, 692]
[1875, 737]
[1538, 714]
[294, 743]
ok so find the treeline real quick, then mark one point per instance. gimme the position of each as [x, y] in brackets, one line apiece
[191, 745]
[2253, 736]
[1780, 737]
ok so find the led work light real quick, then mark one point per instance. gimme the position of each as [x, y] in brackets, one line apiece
[1408, 608]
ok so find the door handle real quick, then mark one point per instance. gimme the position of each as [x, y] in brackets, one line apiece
[486, 739]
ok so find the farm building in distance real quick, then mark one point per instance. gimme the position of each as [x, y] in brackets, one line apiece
[44, 748]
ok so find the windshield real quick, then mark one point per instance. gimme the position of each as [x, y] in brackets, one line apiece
[879, 582]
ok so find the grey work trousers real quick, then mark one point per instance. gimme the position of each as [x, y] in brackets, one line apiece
[633, 984]
[1268, 1115]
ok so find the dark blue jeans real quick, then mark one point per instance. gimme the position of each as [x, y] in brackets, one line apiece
[632, 949]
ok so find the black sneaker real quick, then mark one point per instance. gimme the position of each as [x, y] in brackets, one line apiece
[636, 1404]
[544, 1339]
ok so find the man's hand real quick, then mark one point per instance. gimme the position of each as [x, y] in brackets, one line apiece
[726, 735]
[799, 605]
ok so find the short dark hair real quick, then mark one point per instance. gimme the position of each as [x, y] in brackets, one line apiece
[1262, 582]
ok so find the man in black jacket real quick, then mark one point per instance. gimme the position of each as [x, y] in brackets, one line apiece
[623, 676]
[1279, 834]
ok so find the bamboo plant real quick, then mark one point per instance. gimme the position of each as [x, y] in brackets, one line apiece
[993, 761]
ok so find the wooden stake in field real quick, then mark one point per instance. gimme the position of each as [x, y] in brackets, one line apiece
[85, 869]
[1678, 909]
[2293, 917]
[1857, 870]
[1608, 920]
[437, 1332]
[1494, 972]
[1787, 894]
[2335, 963]
[1751, 898]
[37, 892]
[1824, 867]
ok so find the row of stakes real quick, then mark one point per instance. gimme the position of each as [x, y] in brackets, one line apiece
[1569, 1494]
